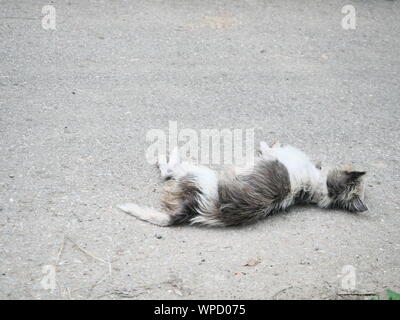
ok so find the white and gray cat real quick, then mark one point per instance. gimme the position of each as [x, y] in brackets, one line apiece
[280, 177]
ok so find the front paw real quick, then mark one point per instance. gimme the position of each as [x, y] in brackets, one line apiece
[264, 148]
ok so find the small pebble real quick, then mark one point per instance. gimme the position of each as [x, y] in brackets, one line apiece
[158, 236]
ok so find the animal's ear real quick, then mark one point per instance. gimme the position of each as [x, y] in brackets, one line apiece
[357, 205]
[354, 175]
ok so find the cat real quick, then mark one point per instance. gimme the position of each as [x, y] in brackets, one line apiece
[280, 177]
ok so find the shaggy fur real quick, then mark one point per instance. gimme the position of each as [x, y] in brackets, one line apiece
[280, 177]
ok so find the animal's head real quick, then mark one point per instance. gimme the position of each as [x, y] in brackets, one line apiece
[346, 190]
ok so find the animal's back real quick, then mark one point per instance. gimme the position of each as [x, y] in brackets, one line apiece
[254, 195]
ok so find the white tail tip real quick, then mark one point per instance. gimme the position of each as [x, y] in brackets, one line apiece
[147, 214]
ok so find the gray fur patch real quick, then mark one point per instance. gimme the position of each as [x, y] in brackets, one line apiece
[303, 196]
[250, 197]
[346, 189]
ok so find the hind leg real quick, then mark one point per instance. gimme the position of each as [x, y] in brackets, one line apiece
[190, 182]
[162, 165]
[168, 168]
[174, 168]
[190, 191]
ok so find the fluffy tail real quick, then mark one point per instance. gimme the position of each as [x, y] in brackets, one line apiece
[147, 214]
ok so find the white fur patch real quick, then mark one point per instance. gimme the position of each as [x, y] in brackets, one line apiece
[301, 170]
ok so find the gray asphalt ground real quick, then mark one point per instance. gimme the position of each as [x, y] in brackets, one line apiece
[76, 104]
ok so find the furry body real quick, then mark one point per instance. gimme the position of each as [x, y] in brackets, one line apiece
[280, 177]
